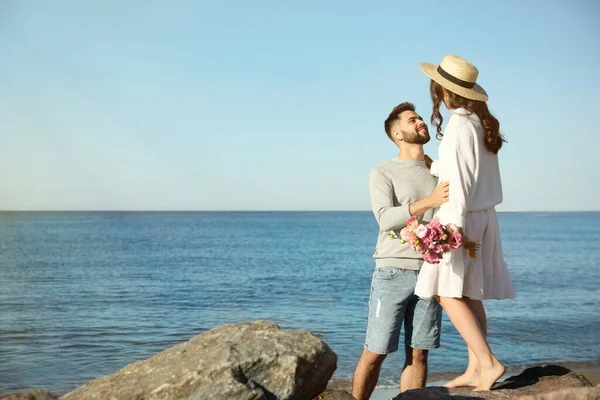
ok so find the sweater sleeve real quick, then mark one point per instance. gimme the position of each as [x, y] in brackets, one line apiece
[388, 216]
[459, 169]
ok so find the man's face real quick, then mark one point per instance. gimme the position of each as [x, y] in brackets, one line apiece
[412, 129]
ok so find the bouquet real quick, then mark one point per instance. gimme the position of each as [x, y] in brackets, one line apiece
[434, 239]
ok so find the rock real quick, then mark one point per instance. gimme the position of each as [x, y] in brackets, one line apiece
[583, 393]
[252, 360]
[30, 395]
[531, 382]
[432, 393]
[335, 395]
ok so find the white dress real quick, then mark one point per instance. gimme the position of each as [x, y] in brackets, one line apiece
[475, 189]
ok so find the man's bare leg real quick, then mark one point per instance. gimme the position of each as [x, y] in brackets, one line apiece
[471, 375]
[366, 374]
[414, 373]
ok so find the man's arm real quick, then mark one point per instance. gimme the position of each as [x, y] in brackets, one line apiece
[392, 217]
[438, 197]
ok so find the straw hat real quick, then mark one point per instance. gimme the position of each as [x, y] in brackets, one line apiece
[457, 75]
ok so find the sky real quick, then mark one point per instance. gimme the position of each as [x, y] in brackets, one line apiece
[279, 105]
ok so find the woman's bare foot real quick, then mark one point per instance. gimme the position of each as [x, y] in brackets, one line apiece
[490, 375]
[469, 378]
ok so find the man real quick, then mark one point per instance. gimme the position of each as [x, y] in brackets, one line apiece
[400, 188]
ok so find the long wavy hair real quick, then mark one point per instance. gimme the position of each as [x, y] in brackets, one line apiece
[493, 138]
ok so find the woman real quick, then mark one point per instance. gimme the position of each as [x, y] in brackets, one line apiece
[468, 160]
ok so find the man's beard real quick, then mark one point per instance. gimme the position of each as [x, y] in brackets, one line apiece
[415, 138]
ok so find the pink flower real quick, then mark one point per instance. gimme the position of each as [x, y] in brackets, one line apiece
[431, 244]
[432, 240]
[435, 232]
[439, 249]
[405, 234]
[412, 223]
[431, 257]
[455, 240]
[413, 239]
[426, 242]
[422, 231]
[451, 228]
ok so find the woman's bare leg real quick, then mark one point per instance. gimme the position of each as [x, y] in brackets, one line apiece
[467, 324]
[471, 375]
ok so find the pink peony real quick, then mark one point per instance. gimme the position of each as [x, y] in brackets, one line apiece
[431, 244]
[439, 249]
[435, 230]
[426, 242]
[422, 231]
[413, 239]
[412, 223]
[431, 257]
[455, 240]
[435, 233]
[405, 234]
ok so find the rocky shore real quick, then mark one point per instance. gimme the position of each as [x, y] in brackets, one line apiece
[258, 361]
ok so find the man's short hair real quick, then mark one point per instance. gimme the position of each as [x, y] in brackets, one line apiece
[395, 115]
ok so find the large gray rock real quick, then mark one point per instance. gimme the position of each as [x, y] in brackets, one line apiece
[582, 393]
[533, 381]
[247, 361]
[335, 395]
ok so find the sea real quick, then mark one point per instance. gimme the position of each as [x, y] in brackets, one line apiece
[83, 294]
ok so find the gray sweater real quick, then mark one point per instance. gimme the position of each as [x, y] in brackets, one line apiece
[393, 185]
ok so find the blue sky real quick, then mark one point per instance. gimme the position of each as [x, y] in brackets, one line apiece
[276, 105]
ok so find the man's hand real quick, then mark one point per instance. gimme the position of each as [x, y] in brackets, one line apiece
[428, 161]
[439, 195]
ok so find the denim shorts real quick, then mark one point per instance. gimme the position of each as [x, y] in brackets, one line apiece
[393, 301]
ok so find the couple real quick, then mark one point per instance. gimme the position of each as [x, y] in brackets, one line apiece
[404, 287]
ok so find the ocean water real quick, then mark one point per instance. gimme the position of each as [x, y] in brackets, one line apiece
[84, 294]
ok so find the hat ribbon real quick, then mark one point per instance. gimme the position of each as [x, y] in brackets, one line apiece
[453, 79]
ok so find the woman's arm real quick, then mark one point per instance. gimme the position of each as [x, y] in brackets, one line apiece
[460, 163]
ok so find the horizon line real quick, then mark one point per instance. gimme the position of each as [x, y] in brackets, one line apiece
[254, 211]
